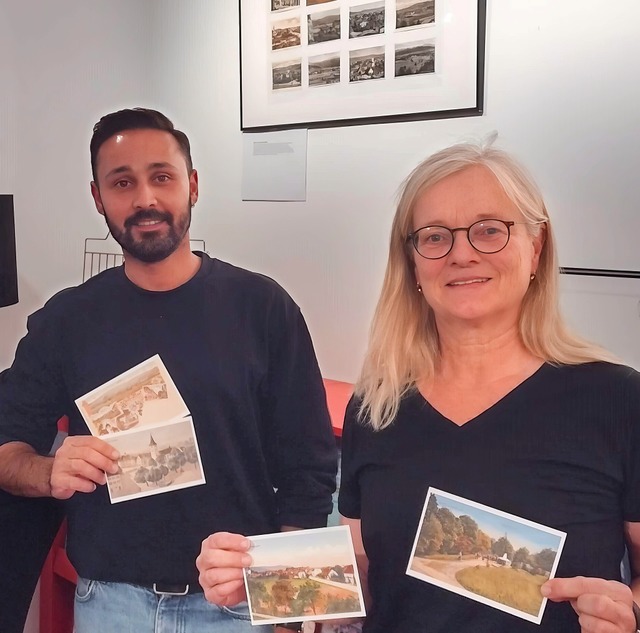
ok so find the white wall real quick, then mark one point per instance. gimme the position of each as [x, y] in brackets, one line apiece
[62, 65]
[561, 91]
[557, 91]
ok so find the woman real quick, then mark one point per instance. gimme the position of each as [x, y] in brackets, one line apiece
[473, 385]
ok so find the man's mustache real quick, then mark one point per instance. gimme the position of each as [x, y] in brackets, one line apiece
[146, 215]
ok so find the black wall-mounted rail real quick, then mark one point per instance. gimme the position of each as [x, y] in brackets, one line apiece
[601, 272]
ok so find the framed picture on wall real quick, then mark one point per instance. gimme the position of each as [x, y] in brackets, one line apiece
[328, 63]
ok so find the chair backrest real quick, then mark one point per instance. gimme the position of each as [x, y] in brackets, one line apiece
[338, 395]
[105, 252]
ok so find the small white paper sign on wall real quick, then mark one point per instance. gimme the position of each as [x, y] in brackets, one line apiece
[274, 166]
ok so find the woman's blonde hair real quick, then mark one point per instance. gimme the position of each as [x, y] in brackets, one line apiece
[403, 344]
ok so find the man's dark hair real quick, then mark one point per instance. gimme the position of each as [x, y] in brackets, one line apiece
[135, 119]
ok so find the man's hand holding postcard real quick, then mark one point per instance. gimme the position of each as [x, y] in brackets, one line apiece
[143, 416]
[307, 575]
[487, 555]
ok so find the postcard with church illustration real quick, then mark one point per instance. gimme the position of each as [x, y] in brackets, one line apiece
[302, 576]
[485, 554]
[143, 396]
[155, 460]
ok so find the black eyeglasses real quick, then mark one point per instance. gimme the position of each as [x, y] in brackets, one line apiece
[486, 236]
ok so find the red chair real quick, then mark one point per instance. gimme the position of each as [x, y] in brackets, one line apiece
[57, 588]
[338, 395]
[58, 578]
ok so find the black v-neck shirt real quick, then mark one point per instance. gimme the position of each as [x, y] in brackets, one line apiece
[561, 449]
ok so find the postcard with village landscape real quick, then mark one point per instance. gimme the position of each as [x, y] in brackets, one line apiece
[155, 460]
[143, 416]
[144, 395]
[303, 575]
[487, 555]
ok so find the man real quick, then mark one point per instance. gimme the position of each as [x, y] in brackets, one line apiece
[239, 352]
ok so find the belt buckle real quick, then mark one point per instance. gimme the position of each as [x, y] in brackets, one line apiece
[170, 590]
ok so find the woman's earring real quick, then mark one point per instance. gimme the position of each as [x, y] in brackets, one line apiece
[532, 276]
[419, 288]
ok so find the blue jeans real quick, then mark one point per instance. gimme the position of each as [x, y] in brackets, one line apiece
[108, 607]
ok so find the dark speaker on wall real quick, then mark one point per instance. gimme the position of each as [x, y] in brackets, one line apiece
[8, 267]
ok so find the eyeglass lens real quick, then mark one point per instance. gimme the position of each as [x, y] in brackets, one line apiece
[486, 236]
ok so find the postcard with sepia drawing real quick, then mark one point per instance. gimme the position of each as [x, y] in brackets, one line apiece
[485, 554]
[143, 416]
[143, 396]
[301, 576]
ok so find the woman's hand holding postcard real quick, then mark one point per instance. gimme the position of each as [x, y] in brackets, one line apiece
[487, 555]
[307, 575]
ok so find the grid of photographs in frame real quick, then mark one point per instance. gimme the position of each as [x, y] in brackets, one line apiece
[143, 416]
[329, 63]
[308, 41]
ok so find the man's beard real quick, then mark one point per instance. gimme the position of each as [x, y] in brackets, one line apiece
[151, 247]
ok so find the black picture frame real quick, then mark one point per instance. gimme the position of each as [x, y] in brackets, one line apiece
[333, 63]
[8, 264]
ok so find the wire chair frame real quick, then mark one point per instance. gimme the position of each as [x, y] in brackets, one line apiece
[103, 253]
